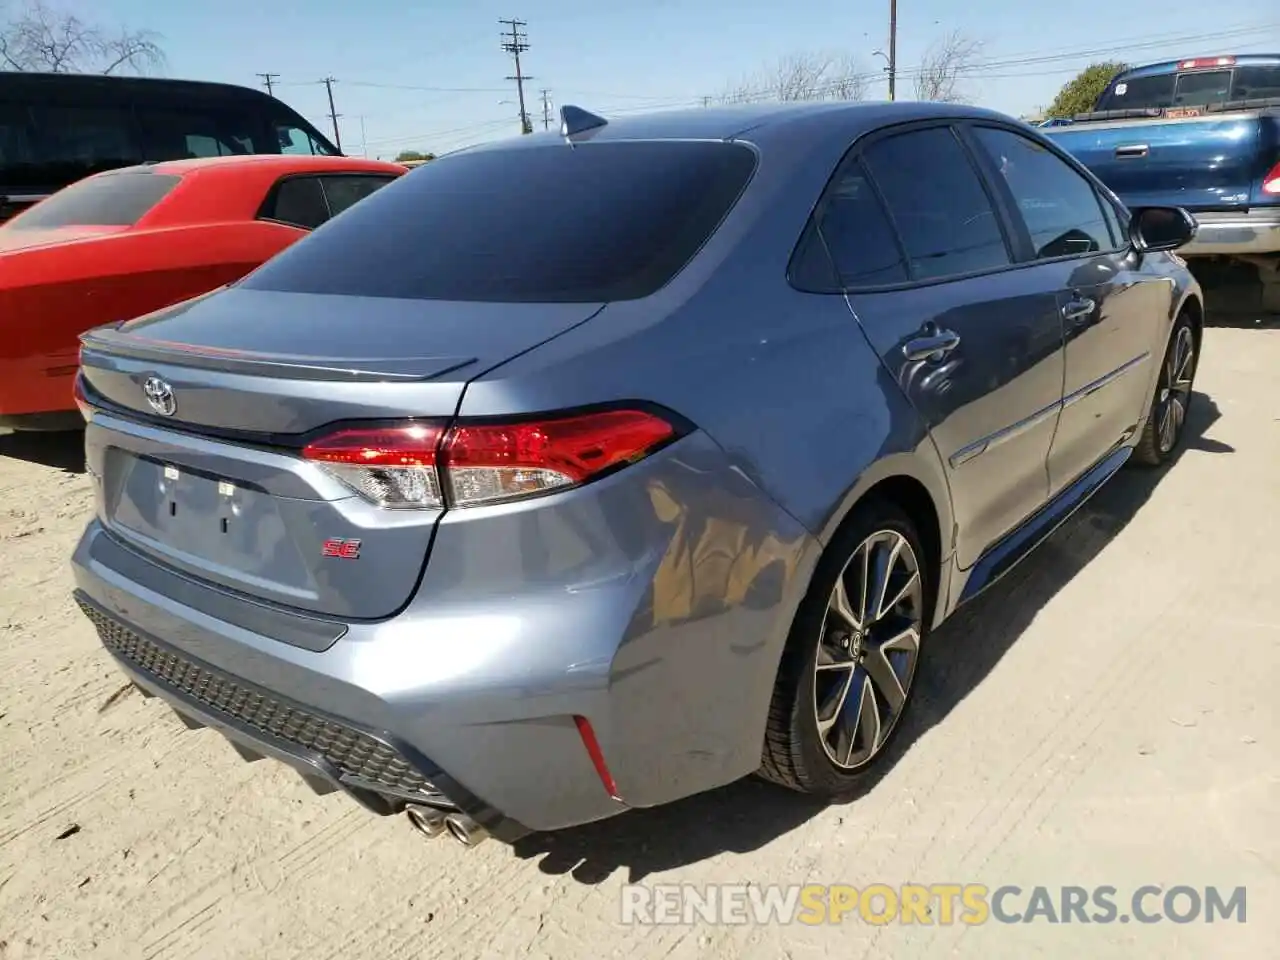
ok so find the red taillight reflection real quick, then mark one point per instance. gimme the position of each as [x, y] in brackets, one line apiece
[82, 402]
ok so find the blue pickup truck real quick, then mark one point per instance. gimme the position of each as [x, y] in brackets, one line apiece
[1203, 134]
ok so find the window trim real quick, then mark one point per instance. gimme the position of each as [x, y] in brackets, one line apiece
[268, 201]
[1020, 224]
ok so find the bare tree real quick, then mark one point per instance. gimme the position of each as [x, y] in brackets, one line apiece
[42, 38]
[803, 76]
[943, 66]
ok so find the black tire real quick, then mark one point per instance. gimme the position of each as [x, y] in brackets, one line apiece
[1172, 397]
[797, 754]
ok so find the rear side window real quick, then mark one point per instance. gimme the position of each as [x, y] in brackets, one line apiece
[343, 192]
[857, 234]
[110, 200]
[591, 222]
[1059, 206]
[75, 141]
[298, 201]
[937, 203]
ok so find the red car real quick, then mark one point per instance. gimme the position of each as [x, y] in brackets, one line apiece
[121, 244]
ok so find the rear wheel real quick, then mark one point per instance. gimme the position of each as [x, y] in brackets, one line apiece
[1172, 400]
[848, 672]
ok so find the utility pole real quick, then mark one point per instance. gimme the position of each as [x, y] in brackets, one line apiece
[333, 114]
[546, 109]
[267, 78]
[515, 44]
[893, 46]
[364, 144]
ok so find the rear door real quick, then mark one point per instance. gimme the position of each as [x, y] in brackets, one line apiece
[1112, 307]
[975, 344]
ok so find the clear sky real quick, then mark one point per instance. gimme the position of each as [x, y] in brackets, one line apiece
[629, 55]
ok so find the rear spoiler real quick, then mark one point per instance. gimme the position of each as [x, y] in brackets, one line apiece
[109, 341]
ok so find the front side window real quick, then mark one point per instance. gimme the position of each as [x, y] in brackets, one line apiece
[182, 134]
[294, 140]
[585, 223]
[110, 200]
[1058, 205]
[936, 200]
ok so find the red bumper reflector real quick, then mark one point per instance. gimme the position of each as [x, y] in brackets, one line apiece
[597, 757]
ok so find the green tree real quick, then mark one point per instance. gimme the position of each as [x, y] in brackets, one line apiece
[1080, 94]
[404, 155]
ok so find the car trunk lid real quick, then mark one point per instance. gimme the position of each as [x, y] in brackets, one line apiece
[217, 488]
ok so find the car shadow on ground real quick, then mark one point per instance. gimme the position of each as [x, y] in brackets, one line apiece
[62, 451]
[746, 815]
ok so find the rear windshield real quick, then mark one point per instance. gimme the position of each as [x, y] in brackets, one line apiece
[1195, 89]
[591, 222]
[110, 200]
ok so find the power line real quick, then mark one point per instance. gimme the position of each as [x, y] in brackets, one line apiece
[987, 67]
[267, 79]
[333, 114]
[515, 45]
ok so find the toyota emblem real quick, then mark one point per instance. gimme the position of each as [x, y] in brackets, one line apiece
[160, 395]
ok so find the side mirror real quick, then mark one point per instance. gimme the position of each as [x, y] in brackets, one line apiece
[1154, 229]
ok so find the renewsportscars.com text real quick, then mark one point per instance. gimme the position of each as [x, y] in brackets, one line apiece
[928, 904]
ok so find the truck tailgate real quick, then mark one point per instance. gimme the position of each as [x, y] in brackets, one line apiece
[1201, 163]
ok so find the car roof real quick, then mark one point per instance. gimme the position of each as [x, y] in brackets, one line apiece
[269, 164]
[759, 122]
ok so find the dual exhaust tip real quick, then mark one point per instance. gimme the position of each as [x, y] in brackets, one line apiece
[432, 823]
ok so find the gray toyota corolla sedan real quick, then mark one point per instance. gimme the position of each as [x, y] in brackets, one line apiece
[589, 470]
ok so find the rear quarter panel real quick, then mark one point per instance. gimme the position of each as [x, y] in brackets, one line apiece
[51, 295]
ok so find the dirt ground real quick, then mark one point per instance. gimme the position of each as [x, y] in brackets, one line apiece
[1108, 715]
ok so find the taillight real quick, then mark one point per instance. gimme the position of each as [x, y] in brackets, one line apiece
[389, 466]
[419, 465]
[1271, 182]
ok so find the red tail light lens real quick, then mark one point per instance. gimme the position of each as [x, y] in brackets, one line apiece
[1271, 182]
[388, 466]
[425, 466]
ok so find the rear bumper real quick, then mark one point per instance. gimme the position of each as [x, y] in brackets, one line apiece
[661, 624]
[1254, 233]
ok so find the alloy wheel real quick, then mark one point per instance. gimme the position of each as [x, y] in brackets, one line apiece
[868, 649]
[1175, 389]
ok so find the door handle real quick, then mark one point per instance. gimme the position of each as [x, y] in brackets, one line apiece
[932, 344]
[1132, 151]
[1078, 309]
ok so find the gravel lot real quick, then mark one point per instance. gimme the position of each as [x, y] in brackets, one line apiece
[1108, 715]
